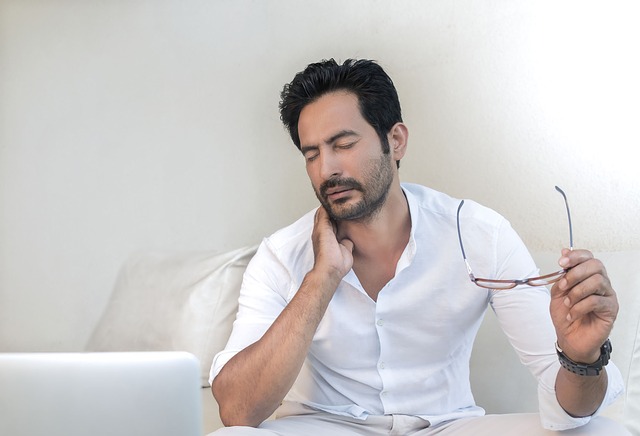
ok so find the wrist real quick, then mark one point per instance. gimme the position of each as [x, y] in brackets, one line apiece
[326, 271]
[326, 278]
[571, 354]
[586, 369]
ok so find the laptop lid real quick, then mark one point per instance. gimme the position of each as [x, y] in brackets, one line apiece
[91, 394]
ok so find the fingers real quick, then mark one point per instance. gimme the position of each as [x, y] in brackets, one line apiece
[348, 244]
[333, 253]
[322, 217]
[585, 276]
[593, 295]
[585, 288]
[323, 225]
[595, 284]
[324, 222]
[584, 306]
[571, 258]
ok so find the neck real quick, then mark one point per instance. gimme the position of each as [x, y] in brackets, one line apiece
[386, 232]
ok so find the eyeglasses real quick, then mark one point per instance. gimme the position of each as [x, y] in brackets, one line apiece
[509, 284]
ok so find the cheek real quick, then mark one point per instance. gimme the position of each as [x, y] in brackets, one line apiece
[312, 177]
[310, 172]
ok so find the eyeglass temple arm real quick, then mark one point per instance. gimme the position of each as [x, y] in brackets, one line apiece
[458, 223]
[566, 203]
[464, 255]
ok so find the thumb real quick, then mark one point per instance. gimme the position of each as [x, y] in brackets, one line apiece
[348, 244]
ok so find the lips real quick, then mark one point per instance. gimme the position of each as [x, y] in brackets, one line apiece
[339, 195]
[339, 189]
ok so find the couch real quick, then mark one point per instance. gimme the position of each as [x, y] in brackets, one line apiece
[187, 302]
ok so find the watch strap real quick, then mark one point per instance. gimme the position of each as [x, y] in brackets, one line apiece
[586, 369]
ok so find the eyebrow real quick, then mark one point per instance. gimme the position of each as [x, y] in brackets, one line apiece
[330, 140]
[341, 134]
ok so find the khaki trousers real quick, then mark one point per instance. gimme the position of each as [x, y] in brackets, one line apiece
[309, 422]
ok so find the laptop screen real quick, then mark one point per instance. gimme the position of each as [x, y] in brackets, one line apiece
[89, 394]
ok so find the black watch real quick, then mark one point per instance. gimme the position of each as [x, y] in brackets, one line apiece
[588, 369]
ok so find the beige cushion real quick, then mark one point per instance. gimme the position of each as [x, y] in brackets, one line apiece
[170, 301]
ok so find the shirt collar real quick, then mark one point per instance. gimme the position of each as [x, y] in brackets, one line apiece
[409, 252]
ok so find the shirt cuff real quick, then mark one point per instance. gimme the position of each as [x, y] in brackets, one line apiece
[554, 417]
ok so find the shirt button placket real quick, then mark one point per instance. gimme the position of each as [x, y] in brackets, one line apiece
[380, 323]
[381, 363]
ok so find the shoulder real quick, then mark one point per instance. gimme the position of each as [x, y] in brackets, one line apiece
[291, 246]
[433, 205]
[299, 232]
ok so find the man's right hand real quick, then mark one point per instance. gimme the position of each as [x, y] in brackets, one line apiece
[332, 256]
[253, 383]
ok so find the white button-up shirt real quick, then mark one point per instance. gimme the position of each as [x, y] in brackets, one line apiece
[408, 352]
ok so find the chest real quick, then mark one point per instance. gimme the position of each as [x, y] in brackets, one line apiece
[419, 316]
[373, 276]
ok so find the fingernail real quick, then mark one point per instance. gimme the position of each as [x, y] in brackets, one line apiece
[564, 262]
[562, 284]
[567, 302]
[569, 317]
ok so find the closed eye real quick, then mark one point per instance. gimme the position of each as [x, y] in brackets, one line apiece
[310, 153]
[345, 146]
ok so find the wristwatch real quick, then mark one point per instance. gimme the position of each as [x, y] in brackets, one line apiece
[588, 369]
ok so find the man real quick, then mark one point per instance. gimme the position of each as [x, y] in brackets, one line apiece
[360, 317]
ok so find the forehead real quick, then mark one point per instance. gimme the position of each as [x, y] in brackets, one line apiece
[333, 112]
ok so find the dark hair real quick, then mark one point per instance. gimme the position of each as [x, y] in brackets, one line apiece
[377, 97]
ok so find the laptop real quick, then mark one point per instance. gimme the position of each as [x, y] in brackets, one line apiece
[100, 394]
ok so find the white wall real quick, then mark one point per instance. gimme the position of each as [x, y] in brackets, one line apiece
[130, 125]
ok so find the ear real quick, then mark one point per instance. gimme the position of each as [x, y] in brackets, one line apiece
[398, 138]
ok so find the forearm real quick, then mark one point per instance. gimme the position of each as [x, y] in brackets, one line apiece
[251, 385]
[579, 395]
[583, 308]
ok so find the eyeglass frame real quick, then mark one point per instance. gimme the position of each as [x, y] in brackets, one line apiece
[503, 284]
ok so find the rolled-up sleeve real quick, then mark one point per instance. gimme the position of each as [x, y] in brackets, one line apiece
[525, 308]
[263, 296]
[553, 415]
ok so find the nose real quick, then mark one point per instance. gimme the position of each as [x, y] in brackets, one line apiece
[329, 165]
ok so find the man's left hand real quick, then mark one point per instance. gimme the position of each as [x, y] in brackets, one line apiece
[584, 306]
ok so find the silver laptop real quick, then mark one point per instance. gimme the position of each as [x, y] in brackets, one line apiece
[91, 394]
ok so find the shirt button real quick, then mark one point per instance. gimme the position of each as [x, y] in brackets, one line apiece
[381, 365]
[380, 322]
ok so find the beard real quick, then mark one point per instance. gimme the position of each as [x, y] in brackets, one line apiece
[378, 176]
